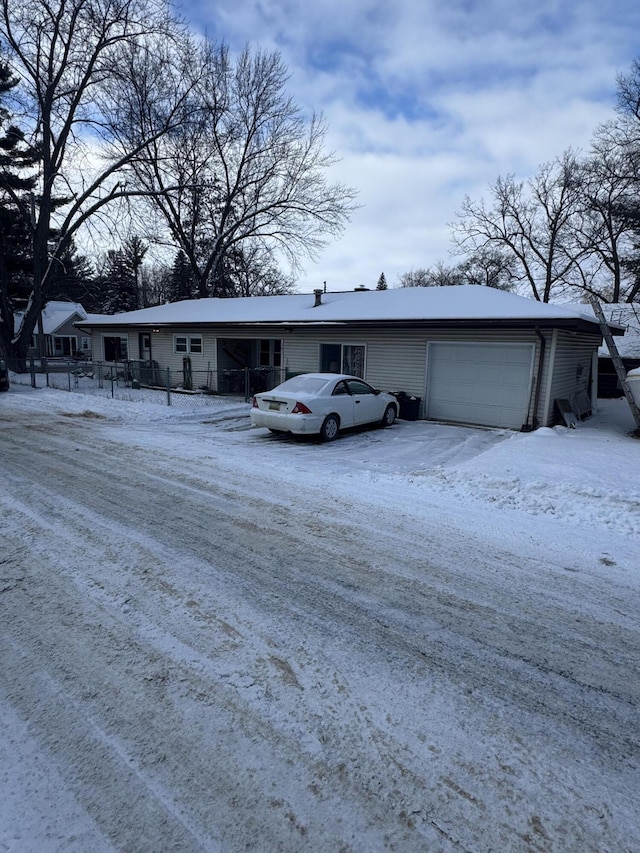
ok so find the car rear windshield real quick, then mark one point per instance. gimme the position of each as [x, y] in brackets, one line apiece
[303, 384]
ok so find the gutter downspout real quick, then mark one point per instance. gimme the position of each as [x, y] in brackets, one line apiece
[536, 396]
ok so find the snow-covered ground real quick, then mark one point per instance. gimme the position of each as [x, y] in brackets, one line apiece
[212, 638]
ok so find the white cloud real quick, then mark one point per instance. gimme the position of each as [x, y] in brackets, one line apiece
[428, 101]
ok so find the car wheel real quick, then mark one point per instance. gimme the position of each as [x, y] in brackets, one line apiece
[330, 428]
[389, 416]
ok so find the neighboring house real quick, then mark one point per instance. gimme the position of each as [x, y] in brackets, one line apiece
[62, 339]
[627, 315]
[473, 354]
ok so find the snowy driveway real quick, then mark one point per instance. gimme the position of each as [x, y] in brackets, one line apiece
[213, 639]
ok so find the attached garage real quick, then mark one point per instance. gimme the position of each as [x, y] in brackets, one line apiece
[479, 383]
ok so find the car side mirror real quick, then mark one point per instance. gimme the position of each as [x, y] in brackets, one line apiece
[376, 391]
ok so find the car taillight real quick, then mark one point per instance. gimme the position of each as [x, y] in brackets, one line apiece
[254, 402]
[300, 409]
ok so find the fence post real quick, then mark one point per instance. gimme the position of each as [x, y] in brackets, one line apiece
[45, 366]
[247, 383]
[112, 377]
[168, 386]
[34, 384]
[69, 374]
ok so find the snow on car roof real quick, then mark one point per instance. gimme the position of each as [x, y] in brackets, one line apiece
[465, 302]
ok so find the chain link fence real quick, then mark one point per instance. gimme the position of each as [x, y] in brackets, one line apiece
[144, 381]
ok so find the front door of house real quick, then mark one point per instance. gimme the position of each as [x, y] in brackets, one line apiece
[145, 346]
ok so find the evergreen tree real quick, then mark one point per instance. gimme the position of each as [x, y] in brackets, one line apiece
[16, 263]
[182, 284]
[156, 284]
[73, 279]
[382, 282]
[118, 286]
[134, 250]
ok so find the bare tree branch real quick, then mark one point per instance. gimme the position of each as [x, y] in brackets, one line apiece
[67, 55]
[243, 166]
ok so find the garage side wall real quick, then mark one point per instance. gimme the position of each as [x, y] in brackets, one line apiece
[570, 366]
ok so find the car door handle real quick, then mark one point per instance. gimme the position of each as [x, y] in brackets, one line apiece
[357, 402]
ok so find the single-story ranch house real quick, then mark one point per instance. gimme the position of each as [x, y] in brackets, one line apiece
[472, 354]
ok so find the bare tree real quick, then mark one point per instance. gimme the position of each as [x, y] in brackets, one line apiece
[69, 56]
[415, 278]
[251, 270]
[244, 166]
[607, 190]
[618, 145]
[628, 102]
[439, 275]
[489, 268]
[533, 222]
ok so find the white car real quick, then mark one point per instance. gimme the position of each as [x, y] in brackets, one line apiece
[322, 404]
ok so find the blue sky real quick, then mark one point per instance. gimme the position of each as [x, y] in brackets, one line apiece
[427, 101]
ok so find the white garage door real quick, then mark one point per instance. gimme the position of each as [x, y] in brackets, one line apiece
[477, 383]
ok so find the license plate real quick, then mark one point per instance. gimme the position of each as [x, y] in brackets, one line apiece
[274, 407]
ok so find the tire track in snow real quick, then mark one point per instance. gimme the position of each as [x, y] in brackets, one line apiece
[388, 607]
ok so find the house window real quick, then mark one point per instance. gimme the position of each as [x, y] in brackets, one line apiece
[84, 344]
[343, 358]
[115, 348]
[184, 344]
[270, 353]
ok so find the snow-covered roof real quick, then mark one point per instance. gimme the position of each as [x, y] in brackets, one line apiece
[624, 315]
[463, 303]
[55, 314]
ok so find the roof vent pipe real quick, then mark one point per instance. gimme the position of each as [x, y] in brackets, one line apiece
[318, 295]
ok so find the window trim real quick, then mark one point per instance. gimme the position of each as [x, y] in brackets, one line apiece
[272, 351]
[189, 340]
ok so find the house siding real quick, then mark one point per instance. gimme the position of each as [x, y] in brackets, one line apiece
[300, 355]
[97, 335]
[399, 365]
[396, 359]
[571, 370]
[399, 362]
[162, 347]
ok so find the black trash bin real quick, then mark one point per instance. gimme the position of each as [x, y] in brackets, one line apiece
[409, 405]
